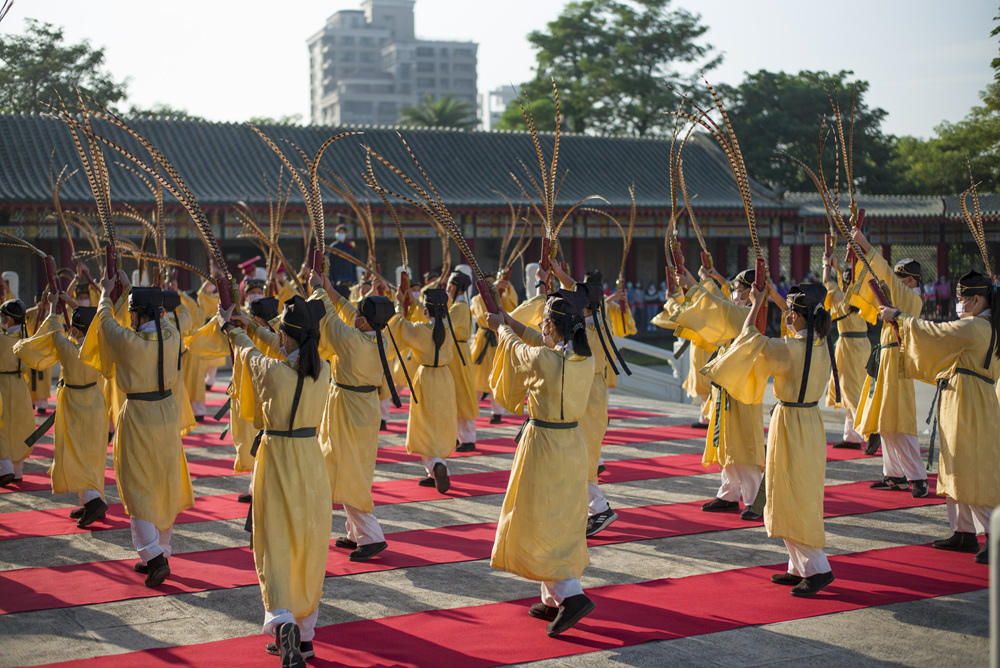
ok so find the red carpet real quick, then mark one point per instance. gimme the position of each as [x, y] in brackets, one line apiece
[101, 582]
[626, 615]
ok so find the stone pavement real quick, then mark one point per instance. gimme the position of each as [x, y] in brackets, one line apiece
[947, 630]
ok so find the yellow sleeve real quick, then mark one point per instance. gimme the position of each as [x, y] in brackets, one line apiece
[508, 300]
[39, 352]
[931, 349]
[511, 368]
[530, 312]
[208, 342]
[619, 327]
[106, 339]
[901, 296]
[743, 370]
[479, 311]
[265, 340]
[242, 389]
[333, 327]
[710, 319]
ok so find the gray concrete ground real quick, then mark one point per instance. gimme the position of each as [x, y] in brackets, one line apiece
[949, 630]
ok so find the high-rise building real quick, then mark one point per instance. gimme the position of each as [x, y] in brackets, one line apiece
[366, 64]
[493, 104]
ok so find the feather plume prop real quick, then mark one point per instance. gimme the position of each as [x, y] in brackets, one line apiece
[169, 178]
[143, 256]
[7, 4]
[974, 219]
[706, 255]
[363, 212]
[310, 191]
[404, 259]
[358, 263]
[432, 206]
[267, 244]
[50, 266]
[56, 183]
[276, 215]
[507, 259]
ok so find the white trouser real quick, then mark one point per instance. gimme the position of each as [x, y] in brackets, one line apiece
[7, 466]
[210, 375]
[430, 462]
[275, 618]
[805, 561]
[740, 481]
[149, 541]
[850, 435]
[41, 403]
[901, 457]
[596, 503]
[554, 593]
[362, 527]
[384, 407]
[466, 431]
[704, 417]
[968, 519]
[497, 409]
[89, 495]
[198, 408]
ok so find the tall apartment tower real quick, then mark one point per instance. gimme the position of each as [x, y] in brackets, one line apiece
[367, 64]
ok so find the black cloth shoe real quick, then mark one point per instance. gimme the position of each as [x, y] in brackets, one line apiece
[720, 506]
[441, 480]
[306, 649]
[366, 552]
[874, 443]
[601, 468]
[345, 543]
[42, 411]
[140, 568]
[699, 425]
[199, 418]
[465, 447]
[541, 611]
[289, 646]
[245, 497]
[157, 571]
[749, 515]
[889, 483]
[382, 426]
[496, 419]
[427, 482]
[93, 510]
[76, 513]
[786, 579]
[847, 445]
[919, 489]
[983, 556]
[6, 479]
[811, 585]
[572, 610]
[960, 541]
[599, 522]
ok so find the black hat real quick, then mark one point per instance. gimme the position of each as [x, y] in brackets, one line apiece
[566, 303]
[435, 297]
[594, 276]
[746, 277]
[13, 308]
[591, 291]
[265, 308]
[907, 268]
[171, 300]
[377, 310]
[300, 319]
[973, 284]
[83, 316]
[460, 279]
[430, 276]
[806, 296]
[145, 299]
[254, 284]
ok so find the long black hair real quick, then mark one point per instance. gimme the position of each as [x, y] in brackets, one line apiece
[300, 322]
[973, 284]
[436, 303]
[565, 310]
[807, 300]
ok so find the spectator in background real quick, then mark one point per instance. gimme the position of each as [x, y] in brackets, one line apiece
[342, 272]
[634, 293]
[942, 291]
[930, 299]
[782, 287]
[651, 298]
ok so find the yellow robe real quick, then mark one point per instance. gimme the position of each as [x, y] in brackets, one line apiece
[968, 411]
[152, 474]
[851, 352]
[348, 434]
[39, 380]
[182, 322]
[796, 440]
[530, 312]
[16, 411]
[80, 452]
[292, 509]
[461, 361]
[540, 535]
[888, 402]
[619, 327]
[433, 424]
[482, 350]
[209, 304]
[192, 366]
[736, 428]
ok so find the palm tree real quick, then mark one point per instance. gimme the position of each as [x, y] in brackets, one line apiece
[445, 112]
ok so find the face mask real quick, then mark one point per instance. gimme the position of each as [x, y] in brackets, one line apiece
[341, 237]
[789, 319]
[252, 298]
[83, 301]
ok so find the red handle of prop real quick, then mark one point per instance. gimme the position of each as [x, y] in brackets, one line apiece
[404, 281]
[484, 292]
[706, 260]
[506, 274]
[671, 281]
[317, 262]
[827, 244]
[111, 270]
[678, 259]
[760, 282]
[50, 275]
[222, 285]
[544, 261]
[851, 257]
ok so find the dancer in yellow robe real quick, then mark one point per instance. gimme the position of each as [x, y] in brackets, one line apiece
[150, 468]
[888, 404]
[291, 509]
[484, 345]
[208, 301]
[540, 535]
[796, 441]
[17, 420]
[961, 357]
[433, 425]
[39, 381]
[81, 431]
[461, 367]
[174, 311]
[193, 366]
[852, 352]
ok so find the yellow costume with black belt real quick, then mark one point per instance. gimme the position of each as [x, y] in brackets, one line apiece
[460, 364]
[193, 366]
[484, 345]
[540, 535]
[39, 380]
[852, 351]
[17, 418]
[594, 421]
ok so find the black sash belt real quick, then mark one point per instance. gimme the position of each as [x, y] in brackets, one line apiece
[433, 366]
[10, 373]
[301, 432]
[793, 404]
[357, 388]
[854, 335]
[544, 425]
[63, 383]
[936, 406]
[149, 396]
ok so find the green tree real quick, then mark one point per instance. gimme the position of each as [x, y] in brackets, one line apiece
[37, 66]
[777, 111]
[616, 65]
[287, 119]
[444, 112]
[161, 109]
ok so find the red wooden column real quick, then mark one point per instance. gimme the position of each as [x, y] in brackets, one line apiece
[423, 256]
[800, 262]
[886, 251]
[942, 259]
[579, 256]
[719, 257]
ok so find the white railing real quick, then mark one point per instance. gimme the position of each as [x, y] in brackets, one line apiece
[653, 383]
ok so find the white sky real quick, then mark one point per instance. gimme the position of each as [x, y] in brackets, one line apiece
[225, 60]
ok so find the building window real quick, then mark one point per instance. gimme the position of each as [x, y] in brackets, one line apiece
[425, 83]
[347, 40]
[367, 41]
[346, 57]
[443, 67]
[425, 51]
[443, 83]
[425, 66]
[367, 57]
[463, 67]
[462, 53]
